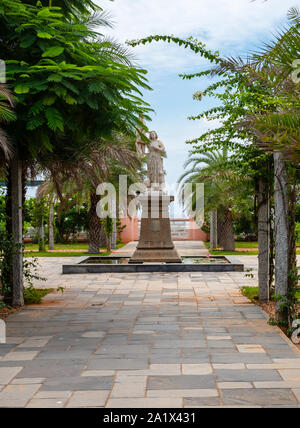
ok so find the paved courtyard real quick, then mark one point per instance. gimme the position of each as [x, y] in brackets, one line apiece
[146, 340]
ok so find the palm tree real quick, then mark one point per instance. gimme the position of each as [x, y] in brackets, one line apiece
[225, 192]
[77, 182]
[6, 115]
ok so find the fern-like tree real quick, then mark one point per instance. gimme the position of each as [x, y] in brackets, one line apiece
[6, 115]
[71, 84]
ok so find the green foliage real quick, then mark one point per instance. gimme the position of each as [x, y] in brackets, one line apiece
[2, 212]
[288, 306]
[108, 226]
[224, 187]
[71, 84]
[70, 222]
[297, 213]
[251, 293]
[6, 116]
[8, 248]
[120, 229]
[108, 229]
[35, 295]
[190, 43]
[31, 271]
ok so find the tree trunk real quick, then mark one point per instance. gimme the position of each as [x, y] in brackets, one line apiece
[281, 231]
[7, 276]
[226, 237]
[219, 226]
[213, 229]
[41, 234]
[17, 230]
[263, 243]
[51, 226]
[114, 235]
[96, 234]
[108, 238]
[272, 248]
[24, 190]
[293, 279]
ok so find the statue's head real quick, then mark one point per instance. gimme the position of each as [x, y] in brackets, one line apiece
[153, 135]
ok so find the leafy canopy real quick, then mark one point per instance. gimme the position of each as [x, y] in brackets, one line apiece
[71, 84]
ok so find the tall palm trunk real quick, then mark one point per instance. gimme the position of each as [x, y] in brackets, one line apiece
[293, 278]
[24, 190]
[96, 234]
[225, 229]
[51, 226]
[213, 229]
[7, 277]
[114, 235]
[281, 231]
[17, 231]
[263, 242]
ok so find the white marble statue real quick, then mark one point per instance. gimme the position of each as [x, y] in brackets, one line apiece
[156, 172]
[156, 153]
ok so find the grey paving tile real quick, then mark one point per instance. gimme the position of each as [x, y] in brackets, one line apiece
[201, 402]
[260, 397]
[181, 382]
[223, 344]
[240, 358]
[247, 375]
[65, 355]
[78, 383]
[117, 364]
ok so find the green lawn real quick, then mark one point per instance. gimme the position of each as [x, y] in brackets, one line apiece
[252, 293]
[64, 254]
[84, 247]
[253, 249]
[240, 244]
[243, 244]
[76, 246]
[233, 253]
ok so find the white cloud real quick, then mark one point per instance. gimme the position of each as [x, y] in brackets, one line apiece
[223, 24]
[222, 20]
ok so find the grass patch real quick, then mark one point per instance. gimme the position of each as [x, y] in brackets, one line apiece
[251, 293]
[35, 295]
[243, 244]
[76, 246]
[251, 245]
[233, 253]
[64, 254]
[70, 247]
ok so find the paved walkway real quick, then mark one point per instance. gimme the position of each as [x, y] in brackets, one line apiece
[146, 340]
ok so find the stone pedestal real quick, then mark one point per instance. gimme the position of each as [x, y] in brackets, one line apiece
[155, 243]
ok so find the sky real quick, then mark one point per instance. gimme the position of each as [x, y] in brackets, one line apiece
[233, 27]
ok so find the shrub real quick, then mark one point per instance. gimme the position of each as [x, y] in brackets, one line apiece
[35, 295]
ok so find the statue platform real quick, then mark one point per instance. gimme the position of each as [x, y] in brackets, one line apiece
[155, 243]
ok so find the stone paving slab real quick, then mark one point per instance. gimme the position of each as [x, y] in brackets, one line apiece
[147, 340]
